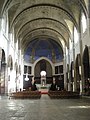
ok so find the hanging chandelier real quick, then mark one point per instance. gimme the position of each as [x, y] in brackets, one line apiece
[26, 78]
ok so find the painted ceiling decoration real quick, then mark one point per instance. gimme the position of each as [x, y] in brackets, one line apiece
[43, 48]
[34, 19]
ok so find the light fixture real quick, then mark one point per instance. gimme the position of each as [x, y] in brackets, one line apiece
[43, 73]
[26, 78]
[80, 70]
[73, 73]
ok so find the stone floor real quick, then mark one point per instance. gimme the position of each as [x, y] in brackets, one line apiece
[45, 109]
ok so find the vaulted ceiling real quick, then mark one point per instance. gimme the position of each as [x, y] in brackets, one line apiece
[32, 19]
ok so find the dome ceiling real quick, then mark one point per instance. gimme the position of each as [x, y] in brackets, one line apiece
[31, 19]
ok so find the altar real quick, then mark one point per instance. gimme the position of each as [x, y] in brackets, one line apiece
[43, 78]
[43, 81]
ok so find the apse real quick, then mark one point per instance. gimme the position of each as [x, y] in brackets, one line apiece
[43, 48]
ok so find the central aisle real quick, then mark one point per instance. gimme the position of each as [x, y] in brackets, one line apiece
[44, 109]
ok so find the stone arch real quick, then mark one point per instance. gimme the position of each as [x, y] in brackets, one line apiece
[41, 58]
[47, 62]
[78, 71]
[86, 63]
[86, 67]
[2, 71]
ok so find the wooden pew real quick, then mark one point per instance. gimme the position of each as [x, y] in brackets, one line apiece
[26, 95]
[63, 94]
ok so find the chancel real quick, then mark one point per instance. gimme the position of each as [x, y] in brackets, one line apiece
[44, 55]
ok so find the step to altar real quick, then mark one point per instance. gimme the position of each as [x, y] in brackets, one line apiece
[44, 89]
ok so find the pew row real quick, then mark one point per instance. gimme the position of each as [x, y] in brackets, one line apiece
[63, 94]
[26, 95]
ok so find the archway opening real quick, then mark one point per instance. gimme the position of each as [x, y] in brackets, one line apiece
[78, 72]
[72, 75]
[2, 73]
[44, 67]
[86, 67]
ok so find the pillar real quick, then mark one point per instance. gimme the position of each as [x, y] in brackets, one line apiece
[82, 82]
[69, 83]
[73, 86]
[65, 83]
[74, 81]
[88, 20]
[0, 24]
[81, 88]
[89, 17]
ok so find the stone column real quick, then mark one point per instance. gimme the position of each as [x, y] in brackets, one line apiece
[88, 27]
[69, 84]
[73, 86]
[7, 90]
[74, 81]
[19, 51]
[6, 24]
[89, 18]
[64, 66]
[82, 82]
[81, 88]
[0, 25]
[19, 56]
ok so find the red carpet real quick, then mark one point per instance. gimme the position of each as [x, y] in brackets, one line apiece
[44, 92]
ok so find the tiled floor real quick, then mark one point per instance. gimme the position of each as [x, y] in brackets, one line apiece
[45, 109]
